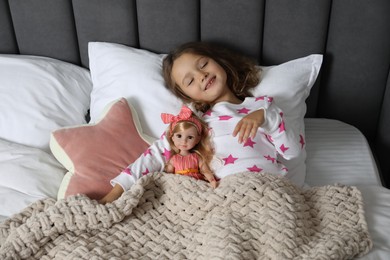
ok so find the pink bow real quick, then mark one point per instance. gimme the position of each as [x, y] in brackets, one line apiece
[185, 114]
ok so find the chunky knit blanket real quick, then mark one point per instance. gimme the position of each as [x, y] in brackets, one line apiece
[166, 216]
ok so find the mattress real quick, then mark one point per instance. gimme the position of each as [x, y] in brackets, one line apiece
[339, 153]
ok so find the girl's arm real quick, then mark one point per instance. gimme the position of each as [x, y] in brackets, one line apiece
[286, 139]
[114, 194]
[270, 120]
[152, 160]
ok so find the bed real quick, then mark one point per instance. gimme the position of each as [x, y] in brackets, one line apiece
[81, 92]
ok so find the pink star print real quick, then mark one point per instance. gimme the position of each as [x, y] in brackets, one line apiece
[127, 170]
[243, 110]
[229, 159]
[269, 158]
[148, 151]
[249, 142]
[269, 99]
[221, 118]
[254, 168]
[283, 148]
[166, 154]
[281, 127]
[145, 172]
[302, 141]
[207, 113]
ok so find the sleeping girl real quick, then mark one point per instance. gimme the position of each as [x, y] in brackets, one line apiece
[248, 132]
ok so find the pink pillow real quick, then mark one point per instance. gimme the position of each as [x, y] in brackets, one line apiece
[94, 154]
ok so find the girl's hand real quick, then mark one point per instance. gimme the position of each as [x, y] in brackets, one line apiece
[248, 125]
[114, 194]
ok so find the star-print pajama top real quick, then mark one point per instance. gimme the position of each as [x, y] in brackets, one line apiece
[256, 155]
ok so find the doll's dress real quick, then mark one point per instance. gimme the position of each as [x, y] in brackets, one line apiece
[187, 165]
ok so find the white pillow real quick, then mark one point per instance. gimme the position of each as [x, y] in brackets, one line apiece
[289, 84]
[122, 71]
[27, 174]
[39, 95]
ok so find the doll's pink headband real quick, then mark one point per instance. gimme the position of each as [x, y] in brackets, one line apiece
[184, 115]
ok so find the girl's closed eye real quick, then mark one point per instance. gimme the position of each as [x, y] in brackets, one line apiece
[190, 82]
[203, 63]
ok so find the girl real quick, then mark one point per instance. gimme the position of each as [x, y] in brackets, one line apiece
[248, 132]
[191, 150]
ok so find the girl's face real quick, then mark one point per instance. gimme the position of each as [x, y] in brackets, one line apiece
[201, 78]
[186, 139]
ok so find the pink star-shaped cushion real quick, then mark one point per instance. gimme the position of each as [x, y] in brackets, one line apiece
[94, 154]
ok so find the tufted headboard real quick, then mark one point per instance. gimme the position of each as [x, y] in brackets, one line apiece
[353, 35]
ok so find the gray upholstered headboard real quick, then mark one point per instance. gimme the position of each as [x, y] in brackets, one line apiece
[353, 35]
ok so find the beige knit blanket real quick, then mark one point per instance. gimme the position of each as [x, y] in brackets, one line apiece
[166, 216]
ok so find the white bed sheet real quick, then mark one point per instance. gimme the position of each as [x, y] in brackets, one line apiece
[339, 153]
[27, 174]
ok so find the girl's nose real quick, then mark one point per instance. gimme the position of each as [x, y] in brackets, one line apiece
[204, 76]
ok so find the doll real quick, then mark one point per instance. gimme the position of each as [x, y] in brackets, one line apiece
[191, 150]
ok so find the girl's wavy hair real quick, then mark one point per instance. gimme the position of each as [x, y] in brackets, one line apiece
[241, 71]
[204, 148]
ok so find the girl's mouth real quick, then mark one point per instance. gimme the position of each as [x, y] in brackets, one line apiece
[209, 83]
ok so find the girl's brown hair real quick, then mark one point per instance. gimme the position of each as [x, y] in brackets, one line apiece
[242, 72]
[204, 148]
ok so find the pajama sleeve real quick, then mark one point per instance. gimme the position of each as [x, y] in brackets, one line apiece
[152, 160]
[285, 139]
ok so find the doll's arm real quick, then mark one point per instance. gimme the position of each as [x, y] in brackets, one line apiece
[169, 167]
[208, 174]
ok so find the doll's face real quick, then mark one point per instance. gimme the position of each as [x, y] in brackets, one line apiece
[186, 139]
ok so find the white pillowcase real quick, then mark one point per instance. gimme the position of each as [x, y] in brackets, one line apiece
[27, 174]
[289, 84]
[39, 95]
[122, 71]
